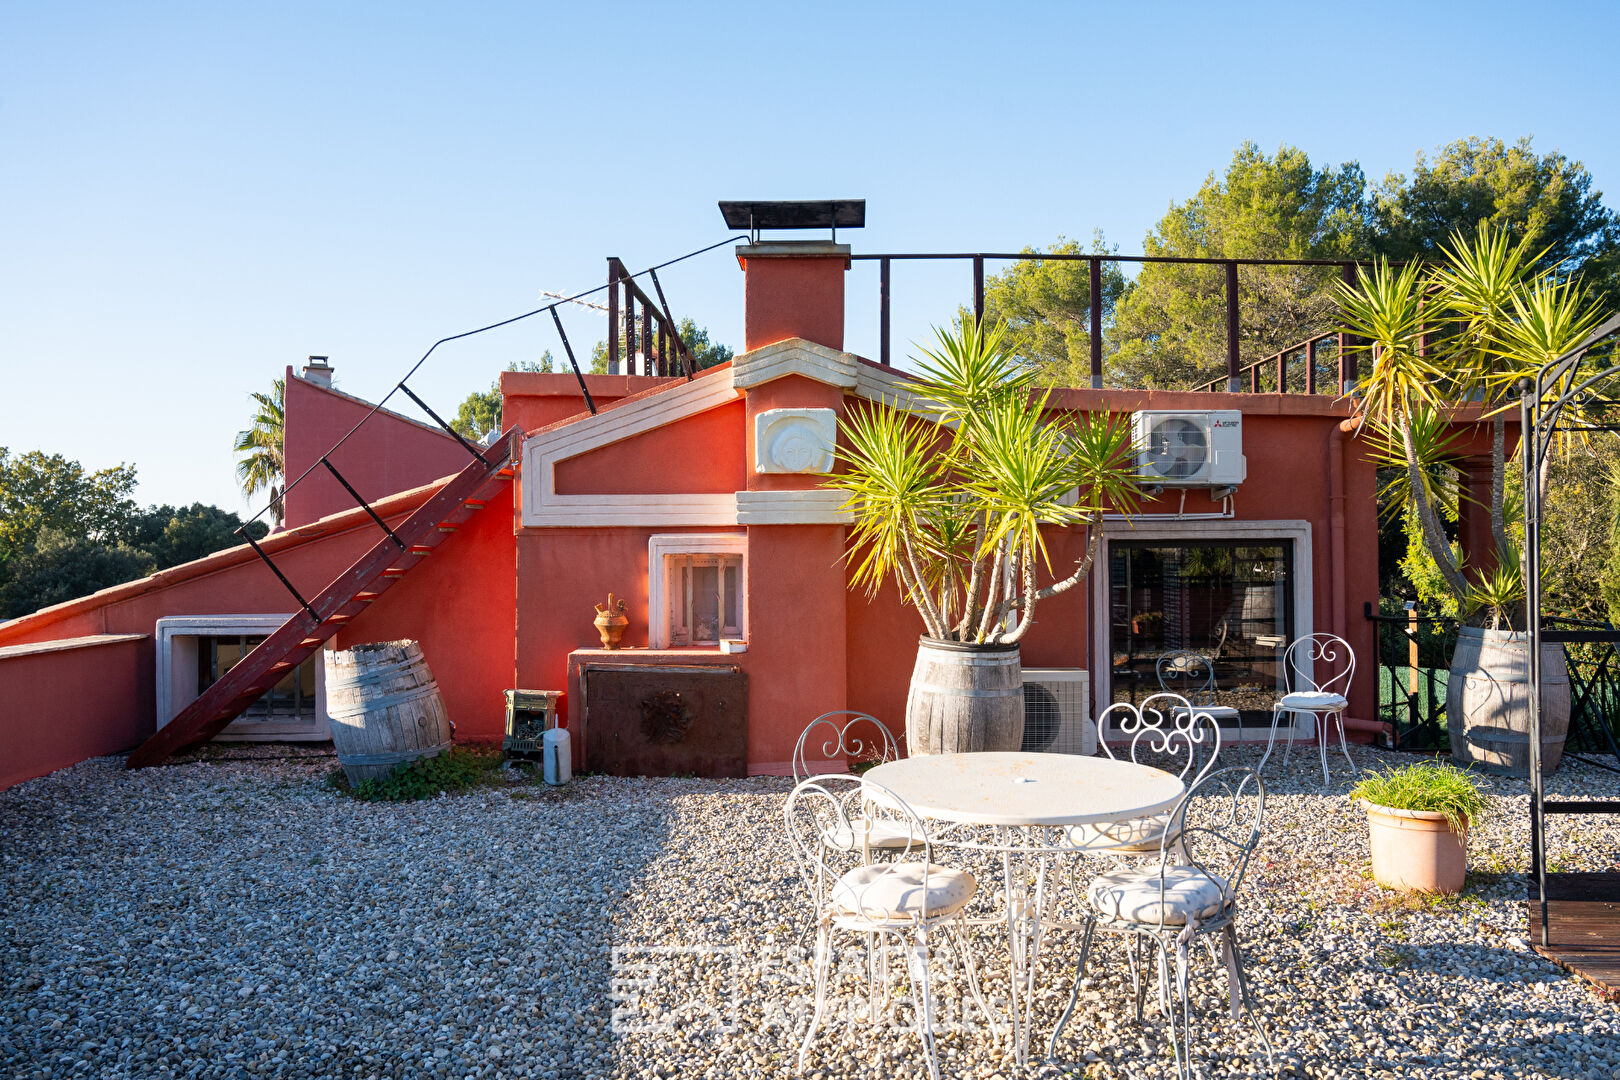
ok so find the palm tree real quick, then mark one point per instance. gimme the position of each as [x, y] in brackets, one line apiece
[264, 466]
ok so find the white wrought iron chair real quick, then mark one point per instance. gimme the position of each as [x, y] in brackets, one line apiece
[1171, 905]
[852, 737]
[909, 897]
[1164, 725]
[1307, 690]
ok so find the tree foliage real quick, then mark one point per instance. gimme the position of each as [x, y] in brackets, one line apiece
[41, 491]
[1167, 327]
[480, 413]
[60, 567]
[65, 532]
[1546, 200]
[1170, 324]
[172, 535]
[1046, 308]
[705, 351]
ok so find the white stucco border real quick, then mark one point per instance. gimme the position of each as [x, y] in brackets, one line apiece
[543, 507]
[1145, 528]
[662, 544]
[169, 704]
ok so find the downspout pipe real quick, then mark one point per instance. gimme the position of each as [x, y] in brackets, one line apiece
[1338, 445]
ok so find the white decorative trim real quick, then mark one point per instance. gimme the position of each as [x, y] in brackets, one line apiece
[177, 658]
[795, 440]
[891, 388]
[815, 506]
[1143, 527]
[542, 506]
[795, 356]
[661, 544]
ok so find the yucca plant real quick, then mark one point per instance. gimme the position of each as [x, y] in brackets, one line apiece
[1466, 330]
[953, 492]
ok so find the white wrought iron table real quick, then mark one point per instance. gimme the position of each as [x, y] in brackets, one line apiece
[1020, 797]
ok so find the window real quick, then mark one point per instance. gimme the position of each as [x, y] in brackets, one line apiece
[698, 589]
[293, 698]
[195, 651]
[705, 602]
[1231, 601]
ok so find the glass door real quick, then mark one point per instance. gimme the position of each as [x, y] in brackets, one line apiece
[1230, 602]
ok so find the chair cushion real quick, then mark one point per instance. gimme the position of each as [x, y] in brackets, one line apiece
[1313, 699]
[1216, 712]
[893, 892]
[1134, 895]
[1140, 836]
[880, 834]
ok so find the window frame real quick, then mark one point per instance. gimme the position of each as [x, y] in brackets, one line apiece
[660, 582]
[1171, 529]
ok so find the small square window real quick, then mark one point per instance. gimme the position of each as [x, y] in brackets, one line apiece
[705, 600]
[699, 589]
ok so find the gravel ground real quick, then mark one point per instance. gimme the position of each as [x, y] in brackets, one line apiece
[233, 916]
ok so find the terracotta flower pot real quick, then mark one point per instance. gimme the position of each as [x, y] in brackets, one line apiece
[1416, 850]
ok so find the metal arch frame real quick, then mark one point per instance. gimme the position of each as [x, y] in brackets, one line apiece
[1539, 423]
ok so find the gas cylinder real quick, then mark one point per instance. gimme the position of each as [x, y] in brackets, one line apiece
[556, 756]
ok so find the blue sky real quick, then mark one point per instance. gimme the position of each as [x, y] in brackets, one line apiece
[195, 196]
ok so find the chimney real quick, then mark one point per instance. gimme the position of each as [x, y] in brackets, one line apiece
[317, 371]
[793, 288]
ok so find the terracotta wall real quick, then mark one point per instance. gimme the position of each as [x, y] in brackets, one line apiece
[66, 701]
[459, 603]
[389, 454]
[816, 646]
[533, 400]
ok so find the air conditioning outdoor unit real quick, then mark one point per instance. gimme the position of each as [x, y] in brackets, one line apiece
[1190, 449]
[1057, 712]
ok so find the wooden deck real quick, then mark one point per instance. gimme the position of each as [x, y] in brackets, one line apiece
[1583, 925]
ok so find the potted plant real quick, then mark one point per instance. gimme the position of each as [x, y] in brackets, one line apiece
[1468, 329]
[956, 506]
[1418, 817]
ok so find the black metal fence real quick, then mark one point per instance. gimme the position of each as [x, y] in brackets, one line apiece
[1414, 659]
[1323, 363]
[1414, 662]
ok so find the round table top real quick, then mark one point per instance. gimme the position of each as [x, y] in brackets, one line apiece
[1028, 789]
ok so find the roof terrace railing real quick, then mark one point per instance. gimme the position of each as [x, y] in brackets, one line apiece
[1309, 351]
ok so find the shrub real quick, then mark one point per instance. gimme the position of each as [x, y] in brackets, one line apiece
[460, 769]
[1426, 785]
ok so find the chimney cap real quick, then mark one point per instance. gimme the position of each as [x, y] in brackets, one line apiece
[756, 214]
[318, 361]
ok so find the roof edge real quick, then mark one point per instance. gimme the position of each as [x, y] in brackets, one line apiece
[322, 528]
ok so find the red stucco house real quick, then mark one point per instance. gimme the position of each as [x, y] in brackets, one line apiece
[697, 500]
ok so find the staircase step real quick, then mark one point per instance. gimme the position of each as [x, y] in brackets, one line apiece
[360, 584]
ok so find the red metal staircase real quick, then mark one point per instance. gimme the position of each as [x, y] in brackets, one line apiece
[318, 619]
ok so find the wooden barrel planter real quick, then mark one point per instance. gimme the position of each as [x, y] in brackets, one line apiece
[965, 698]
[385, 708]
[1488, 702]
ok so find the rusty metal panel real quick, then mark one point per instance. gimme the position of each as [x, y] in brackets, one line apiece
[665, 720]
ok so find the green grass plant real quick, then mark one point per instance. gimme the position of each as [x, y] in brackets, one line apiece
[1432, 786]
[460, 769]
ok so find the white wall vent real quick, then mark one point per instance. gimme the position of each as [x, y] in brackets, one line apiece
[1190, 449]
[1057, 711]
